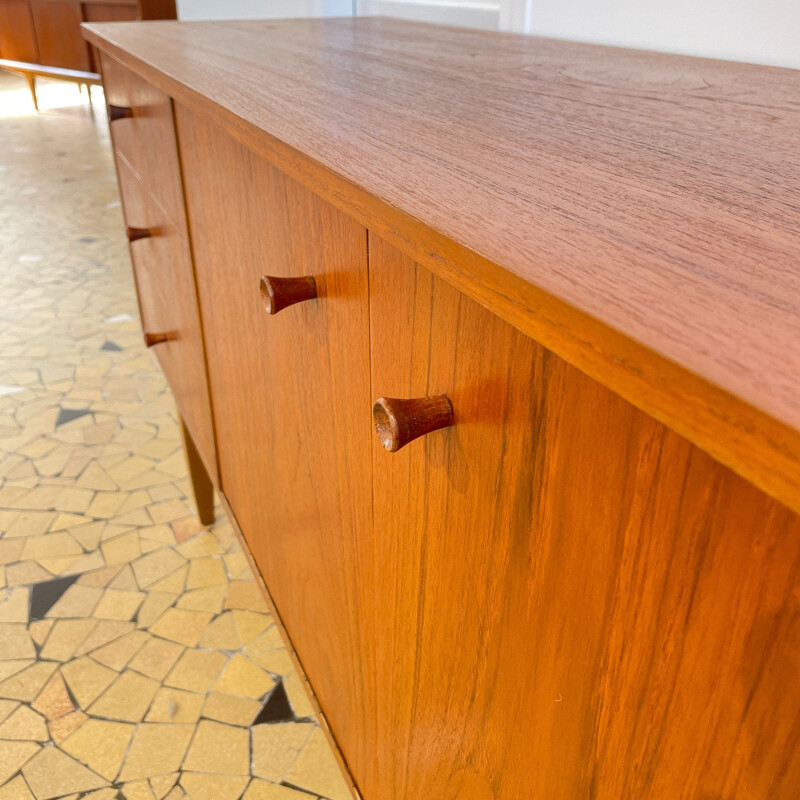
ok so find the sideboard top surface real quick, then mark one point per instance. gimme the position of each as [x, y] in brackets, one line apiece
[656, 195]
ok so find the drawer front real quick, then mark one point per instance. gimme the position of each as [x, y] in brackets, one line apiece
[562, 598]
[146, 140]
[290, 393]
[167, 304]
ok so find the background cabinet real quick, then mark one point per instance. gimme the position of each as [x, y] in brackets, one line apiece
[47, 33]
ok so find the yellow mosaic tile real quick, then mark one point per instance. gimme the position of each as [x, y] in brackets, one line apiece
[156, 658]
[210, 599]
[243, 677]
[62, 727]
[175, 705]
[155, 566]
[52, 773]
[219, 748]
[250, 624]
[16, 789]
[77, 601]
[161, 784]
[221, 634]
[13, 755]
[231, 708]
[275, 748]
[65, 637]
[101, 745]
[26, 724]
[214, 787]
[15, 607]
[156, 749]
[317, 771]
[155, 604]
[196, 671]
[205, 572]
[246, 595]
[128, 698]
[106, 630]
[118, 604]
[175, 582]
[54, 701]
[28, 682]
[117, 654]
[122, 549]
[261, 790]
[181, 625]
[16, 642]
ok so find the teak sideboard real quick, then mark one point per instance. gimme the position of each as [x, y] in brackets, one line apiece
[491, 346]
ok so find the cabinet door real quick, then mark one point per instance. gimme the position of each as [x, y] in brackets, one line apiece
[17, 36]
[290, 392]
[58, 32]
[565, 599]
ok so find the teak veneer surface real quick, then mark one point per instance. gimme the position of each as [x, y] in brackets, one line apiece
[637, 213]
[561, 598]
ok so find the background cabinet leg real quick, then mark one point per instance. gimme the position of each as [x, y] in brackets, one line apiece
[201, 483]
[32, 86]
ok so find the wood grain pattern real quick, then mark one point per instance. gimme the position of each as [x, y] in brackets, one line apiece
[167, 295]
[636, 213]
[58, 28]
[290, 392]
[566, 599]
[17, 34]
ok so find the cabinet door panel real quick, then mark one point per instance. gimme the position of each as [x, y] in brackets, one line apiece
[290, 393]
[17, 36]
[58, 32]
[565, 598]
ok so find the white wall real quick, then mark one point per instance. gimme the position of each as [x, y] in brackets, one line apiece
[762, 31]
[262, 9]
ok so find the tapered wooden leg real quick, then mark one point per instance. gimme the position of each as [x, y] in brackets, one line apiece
[89, 93]
[201, 483]
[32, 86]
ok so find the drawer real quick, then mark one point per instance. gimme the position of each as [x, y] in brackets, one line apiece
[167, 305]
[146, 140]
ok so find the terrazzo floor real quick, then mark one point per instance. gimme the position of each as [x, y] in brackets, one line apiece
[137, 657]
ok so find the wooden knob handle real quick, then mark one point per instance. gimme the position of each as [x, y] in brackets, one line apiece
[398, 422]
[278, 293]
[134, 234]
[118, 112]
[155, 338]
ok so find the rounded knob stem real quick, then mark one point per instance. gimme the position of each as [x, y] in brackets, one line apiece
[155, 338]
[398, 422]
[279, 293]
[118, 112]
[134, 234]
